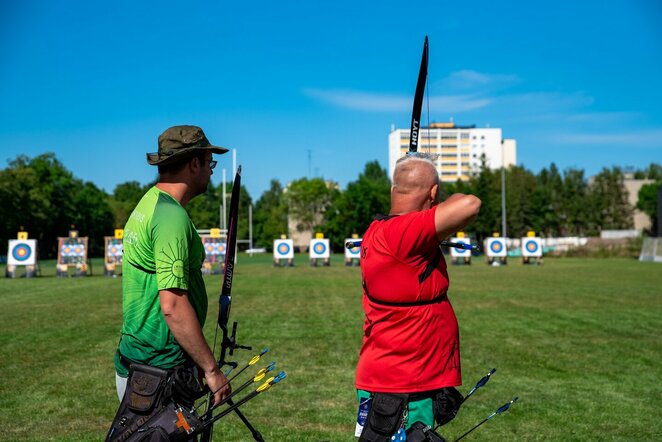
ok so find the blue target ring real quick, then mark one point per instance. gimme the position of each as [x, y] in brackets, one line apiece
[496, 246]
[355, 250]
[319, 248]
[221, 248]
[283, 248]
[531, 246]
[21, 252]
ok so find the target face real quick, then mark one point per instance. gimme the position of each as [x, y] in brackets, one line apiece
[221, 248]
[115, 250]
[22, 252]
[496, 247]
[531, 247]
[283, 249]
[319, 248]
[354, 252]
[458, 253]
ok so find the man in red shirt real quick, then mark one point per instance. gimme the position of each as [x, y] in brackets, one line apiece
[411, 349]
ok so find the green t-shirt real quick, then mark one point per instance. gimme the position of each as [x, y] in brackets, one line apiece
[162, 250]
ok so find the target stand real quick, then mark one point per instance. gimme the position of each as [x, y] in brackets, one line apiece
[460, 256]
[113, 256]
[531, 250]
[496, 252]
[319, 252]
[22, 253]
[283, 252]
[353, 255]
[72, 255]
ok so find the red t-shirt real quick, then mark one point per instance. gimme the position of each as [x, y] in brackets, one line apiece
[406, 349]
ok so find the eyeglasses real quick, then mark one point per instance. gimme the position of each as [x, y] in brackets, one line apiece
[212, 164]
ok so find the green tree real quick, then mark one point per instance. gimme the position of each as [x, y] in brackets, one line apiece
[205, 209]
[575, 195]
[647, 203]
[307, 200]
[353, 210]
[520, 184]
[609, 204]
[42, 196]
[486, 185]
[547, 201]
[124, 199]
[270, 216]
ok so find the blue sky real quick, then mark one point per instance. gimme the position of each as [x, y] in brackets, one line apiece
[96, 82]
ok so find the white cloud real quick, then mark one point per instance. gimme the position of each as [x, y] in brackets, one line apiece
[365, 101]
[475, 81]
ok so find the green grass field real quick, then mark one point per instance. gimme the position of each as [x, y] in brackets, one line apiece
[577, 340]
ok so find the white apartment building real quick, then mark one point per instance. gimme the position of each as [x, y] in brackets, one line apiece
[457, 149]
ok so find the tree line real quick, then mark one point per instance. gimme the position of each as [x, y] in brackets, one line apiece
[41, 196]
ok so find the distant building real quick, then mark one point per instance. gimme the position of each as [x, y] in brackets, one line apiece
[458, 149]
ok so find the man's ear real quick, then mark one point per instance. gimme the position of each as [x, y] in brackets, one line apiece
[434, 194]
[194, 163]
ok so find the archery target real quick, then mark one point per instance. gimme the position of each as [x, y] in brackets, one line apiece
[460, 253]
[222, 247]
[532, 247]
[115, 249]
[283, 249]
[319, 248]
[22, 252]
[354, 252]
[78, 250]
[496, 247]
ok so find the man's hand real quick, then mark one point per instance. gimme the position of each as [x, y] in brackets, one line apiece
[184, 325]
[216, 380]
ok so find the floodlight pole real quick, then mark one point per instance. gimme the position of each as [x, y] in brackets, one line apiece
[250, 225]
[503, 192]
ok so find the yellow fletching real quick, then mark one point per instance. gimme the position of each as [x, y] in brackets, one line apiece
[266, 385]
[259, 376]
[254, 360]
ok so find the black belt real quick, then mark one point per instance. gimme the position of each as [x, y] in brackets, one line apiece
[434, 300]
[126, 362]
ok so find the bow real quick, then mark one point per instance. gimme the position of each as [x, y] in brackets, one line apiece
[228, 343]
[418, 100]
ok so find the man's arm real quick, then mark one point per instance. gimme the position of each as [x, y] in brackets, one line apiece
[455, 213]
[183, 323]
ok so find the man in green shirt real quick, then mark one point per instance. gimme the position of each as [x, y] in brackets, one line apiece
[164, 297]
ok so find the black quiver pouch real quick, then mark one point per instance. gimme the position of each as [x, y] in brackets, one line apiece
[419, 432]
[147, 390]
[186, 387]
[447, 402]
[385, 417]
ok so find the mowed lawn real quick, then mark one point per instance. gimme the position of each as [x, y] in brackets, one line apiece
[578, 340]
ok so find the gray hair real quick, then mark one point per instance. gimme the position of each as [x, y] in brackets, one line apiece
[420, 157]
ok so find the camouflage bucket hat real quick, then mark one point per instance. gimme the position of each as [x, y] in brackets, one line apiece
[179, 142]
